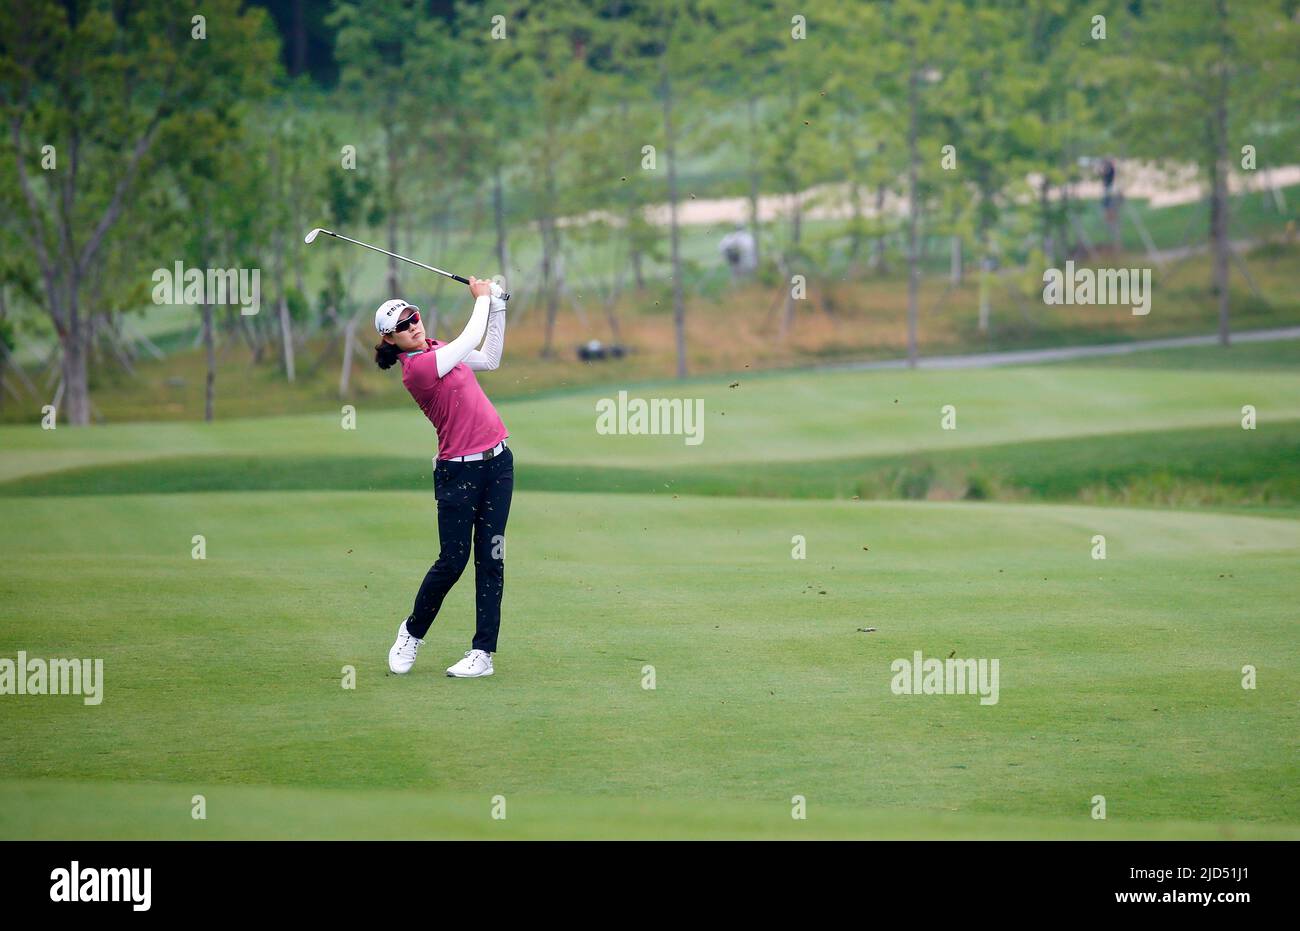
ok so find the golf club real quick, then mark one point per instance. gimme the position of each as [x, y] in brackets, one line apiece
[311, 237]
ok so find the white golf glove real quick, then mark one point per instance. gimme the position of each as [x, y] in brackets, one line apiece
[496, 304]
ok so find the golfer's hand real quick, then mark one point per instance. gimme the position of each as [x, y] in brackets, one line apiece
[480, 287]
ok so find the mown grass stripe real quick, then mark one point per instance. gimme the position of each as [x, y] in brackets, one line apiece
[1222, 466]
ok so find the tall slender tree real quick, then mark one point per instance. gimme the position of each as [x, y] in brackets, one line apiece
[669, 51]
[377, 46]
[911, 63]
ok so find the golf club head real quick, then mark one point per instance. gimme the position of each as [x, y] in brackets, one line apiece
[312, 235]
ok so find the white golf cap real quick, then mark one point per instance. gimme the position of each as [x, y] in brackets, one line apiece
[389, 313]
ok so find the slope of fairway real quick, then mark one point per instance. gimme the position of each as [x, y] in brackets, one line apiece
[1221, 466]
[789, 416]
[1120, 677]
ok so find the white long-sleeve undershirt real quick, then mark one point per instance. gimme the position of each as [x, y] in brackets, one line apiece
[454, 353]
[489, 357]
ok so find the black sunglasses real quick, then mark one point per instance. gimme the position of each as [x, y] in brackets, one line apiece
[406, 323]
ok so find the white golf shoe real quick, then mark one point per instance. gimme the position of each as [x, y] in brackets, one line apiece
[476, 663]
[402, 656]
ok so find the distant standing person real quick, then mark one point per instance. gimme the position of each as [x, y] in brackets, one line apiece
[1108, 199]
[473, 474]
[740, 251]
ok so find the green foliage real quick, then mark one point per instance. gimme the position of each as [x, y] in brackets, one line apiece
[1175, 62]
[549, 115]
[128, 97]
[297, 303]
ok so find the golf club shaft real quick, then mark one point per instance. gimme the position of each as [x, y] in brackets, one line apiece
[394, 255]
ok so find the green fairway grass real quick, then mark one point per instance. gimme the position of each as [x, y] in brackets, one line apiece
[1279, 354]
[1119, 678]
[148, 811]
[775, 417]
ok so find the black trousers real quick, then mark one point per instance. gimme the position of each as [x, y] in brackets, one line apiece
[473, 500]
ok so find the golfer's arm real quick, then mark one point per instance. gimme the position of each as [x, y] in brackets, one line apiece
[489, 357]
[454, 353]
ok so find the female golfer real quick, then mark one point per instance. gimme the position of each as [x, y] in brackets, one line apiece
[473, 474]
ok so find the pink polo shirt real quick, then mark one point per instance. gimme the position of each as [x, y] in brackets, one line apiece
[465, 419]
